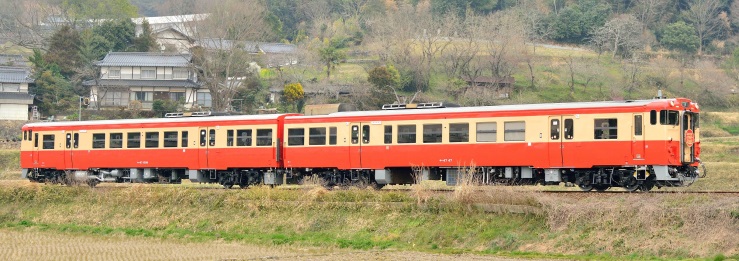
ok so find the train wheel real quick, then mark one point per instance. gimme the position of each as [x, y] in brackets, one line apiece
[646, 186]
[92, 182]
[631, 187]
[227, 185]
[601, 188]
[585, 187]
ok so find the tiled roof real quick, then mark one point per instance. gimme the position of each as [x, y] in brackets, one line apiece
[16, 98]
[251, 47]
[141, 83]
[15, 60]
[145, 59]
[15, 75]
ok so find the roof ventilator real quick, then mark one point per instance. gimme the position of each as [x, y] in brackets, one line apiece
[423, 105]
[187, 114]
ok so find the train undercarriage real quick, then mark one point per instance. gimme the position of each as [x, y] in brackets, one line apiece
[631, 178]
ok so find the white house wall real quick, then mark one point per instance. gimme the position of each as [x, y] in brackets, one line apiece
[14, 112]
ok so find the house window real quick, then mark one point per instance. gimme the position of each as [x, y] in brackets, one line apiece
[114, 72]
[148, 73]
[514, 131]
[459, 132]
[606, 129]
[177, 96]
[111, 98]
[180, 73]
[142, 96]
[204, 99]
[10, 87]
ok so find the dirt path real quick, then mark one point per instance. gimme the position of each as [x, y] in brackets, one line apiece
[32, 244]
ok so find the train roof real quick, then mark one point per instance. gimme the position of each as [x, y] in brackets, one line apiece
[157, 120]
[499, 108]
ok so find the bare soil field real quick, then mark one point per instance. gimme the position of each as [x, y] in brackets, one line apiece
[33, 244]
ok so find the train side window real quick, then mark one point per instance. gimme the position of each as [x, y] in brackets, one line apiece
[229, 137]
[365, 134]
[332, 136]
[116, 140]
[317, 136]
[35, 140]
[296, 137]
[30, 135]
[243, 138]
[554, 129]
[48, 142]
[264, 137]
[170, 139]
[69, 140]
[152, 140]
[388, 134]
[76, 142]
[606, 129]
[202, 138]
[653, 117]
[569, 129]
[431, 133]
[459, 132]
[184, 139]
[134, 140]
[638, 125]
[98, 140]
[406, 133]
[514, 131]
[25, 135]
[212, 137]
[355, 134]
[487, 132]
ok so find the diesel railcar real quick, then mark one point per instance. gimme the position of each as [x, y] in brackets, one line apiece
[594, 145]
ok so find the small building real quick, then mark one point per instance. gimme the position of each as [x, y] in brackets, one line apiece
[14, 97]
[503, 85]
[144, 77]
[173, 33]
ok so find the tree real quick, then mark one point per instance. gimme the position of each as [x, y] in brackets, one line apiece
[81, 10]
[223, 63]
[331, 55]
[64, 51]
[146, 41]
[681, 37]
[703, 15]
[119, 33]
[620, 35]
[575, 23]
[385, 80]
[294, 95]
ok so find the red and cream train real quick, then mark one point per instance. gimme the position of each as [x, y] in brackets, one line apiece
[594, 145]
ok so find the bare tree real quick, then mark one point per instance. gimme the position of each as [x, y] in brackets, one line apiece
[26, 23]
[619, 35]
[632, 72]
[649, 12]
[228, 39]
[704, 16]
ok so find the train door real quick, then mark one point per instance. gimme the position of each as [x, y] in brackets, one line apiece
[561, 130]
[35, 149]
[206, 139]
[71, 143]
[360, 135]
[638, 142]
[687, 125]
